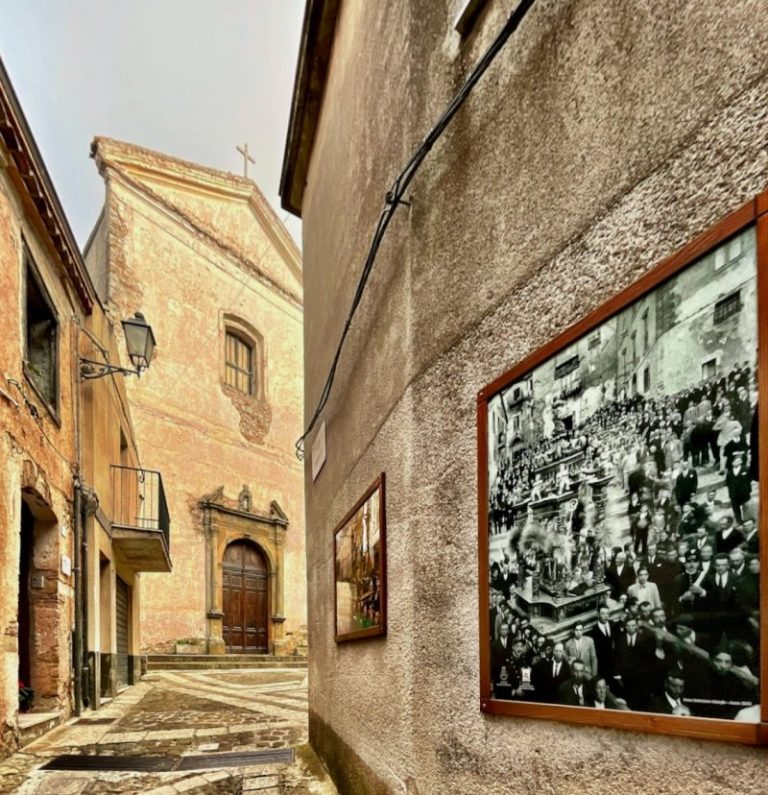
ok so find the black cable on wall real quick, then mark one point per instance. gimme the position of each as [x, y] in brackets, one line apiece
[394, 197]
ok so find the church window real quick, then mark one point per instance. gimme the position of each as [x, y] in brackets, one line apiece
[41, 336]
[239, 363]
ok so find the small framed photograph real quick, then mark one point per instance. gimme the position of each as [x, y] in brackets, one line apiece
[360, 567]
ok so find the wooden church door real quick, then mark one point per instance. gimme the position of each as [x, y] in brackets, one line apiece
[246, 599]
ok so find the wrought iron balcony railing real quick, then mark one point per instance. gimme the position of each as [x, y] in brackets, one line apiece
[138, 501]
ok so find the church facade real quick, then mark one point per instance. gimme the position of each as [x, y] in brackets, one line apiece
[203, 256]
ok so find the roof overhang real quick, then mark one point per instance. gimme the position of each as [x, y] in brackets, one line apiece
[35, 185]
[311, 72]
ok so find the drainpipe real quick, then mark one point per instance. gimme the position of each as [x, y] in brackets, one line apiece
[78, 600]
[82, 669]
[84, 660]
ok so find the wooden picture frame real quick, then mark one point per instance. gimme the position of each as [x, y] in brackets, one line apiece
[360, 571]
[752, 216]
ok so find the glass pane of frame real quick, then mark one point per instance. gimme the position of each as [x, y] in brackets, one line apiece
[622, 507]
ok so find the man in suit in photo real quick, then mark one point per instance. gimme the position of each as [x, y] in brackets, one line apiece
[548, 675]
[600, 696]
[699, 539]
[686, 483]
[573, 692]
[705, 561]
[635, 651]
[604, 635]
[738, 564]
[739, 484]
[728, 536]
[671, 701]
[652, 561]
[690, 594]
[751, 537]
[582, 647]
[620, 575]
[665, 579]
[719, 585]
[501, 650]
[720, 598]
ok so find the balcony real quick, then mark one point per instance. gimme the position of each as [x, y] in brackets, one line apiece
[140, 521]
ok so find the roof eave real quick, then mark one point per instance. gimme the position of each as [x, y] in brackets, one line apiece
[315, 48]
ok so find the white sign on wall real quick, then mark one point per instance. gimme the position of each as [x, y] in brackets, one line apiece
[66, 565]
[318, 452]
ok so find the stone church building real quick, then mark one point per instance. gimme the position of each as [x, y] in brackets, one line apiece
[218, 277]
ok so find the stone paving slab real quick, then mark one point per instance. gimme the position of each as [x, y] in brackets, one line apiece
[183, 714]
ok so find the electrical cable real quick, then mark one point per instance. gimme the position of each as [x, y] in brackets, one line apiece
[394, 196]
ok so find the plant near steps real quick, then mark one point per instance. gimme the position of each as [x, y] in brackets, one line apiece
[26, 697]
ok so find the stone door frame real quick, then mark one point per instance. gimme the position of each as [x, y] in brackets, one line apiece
[223, 523]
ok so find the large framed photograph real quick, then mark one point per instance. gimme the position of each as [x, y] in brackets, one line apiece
[360, 567]
[619, 505]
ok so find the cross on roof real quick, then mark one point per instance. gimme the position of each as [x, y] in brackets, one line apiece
[246, 157]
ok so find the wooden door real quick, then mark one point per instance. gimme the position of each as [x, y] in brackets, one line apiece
[246, 599]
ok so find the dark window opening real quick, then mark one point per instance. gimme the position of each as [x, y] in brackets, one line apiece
[41, 336]
[728, 306]
[709, 369]
[567, 367]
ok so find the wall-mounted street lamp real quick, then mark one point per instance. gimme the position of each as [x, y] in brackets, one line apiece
[140, 342]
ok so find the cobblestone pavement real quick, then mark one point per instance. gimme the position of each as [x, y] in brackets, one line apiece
[177, 714]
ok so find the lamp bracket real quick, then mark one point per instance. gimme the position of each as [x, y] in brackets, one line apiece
[90, 369]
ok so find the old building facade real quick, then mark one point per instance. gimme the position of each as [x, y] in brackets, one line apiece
[70, 566]
[603, 139]
[220, 280]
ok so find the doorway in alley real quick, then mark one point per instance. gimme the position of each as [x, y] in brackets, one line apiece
[122, 626]
[245, 576]
[25, 607]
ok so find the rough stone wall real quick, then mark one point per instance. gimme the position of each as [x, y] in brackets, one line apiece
[37, 453]
[604, 138]
[187, 424]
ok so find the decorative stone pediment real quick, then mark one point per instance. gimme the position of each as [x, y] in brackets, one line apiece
[244, 507]
[227, 520]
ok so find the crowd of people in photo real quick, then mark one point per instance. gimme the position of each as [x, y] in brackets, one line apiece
[673, 559]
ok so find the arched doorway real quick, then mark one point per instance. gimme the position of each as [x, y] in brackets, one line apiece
[245, 599]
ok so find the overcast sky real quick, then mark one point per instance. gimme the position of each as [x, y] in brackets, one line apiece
[191, 78]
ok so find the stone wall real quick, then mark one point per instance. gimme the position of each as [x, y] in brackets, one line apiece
[37, 451]
[604, 138]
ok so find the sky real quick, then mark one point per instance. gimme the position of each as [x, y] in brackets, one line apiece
[189, 78]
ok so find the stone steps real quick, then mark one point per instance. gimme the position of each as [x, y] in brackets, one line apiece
[216, 662]
[35, 724]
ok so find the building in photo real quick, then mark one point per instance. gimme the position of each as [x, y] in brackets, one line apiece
[602, 140]
[208, 261]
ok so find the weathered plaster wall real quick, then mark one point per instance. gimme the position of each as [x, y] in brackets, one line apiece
[605, 137]
[187, 424]
[36, 455]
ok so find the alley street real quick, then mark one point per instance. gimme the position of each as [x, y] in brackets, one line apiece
[199, 732]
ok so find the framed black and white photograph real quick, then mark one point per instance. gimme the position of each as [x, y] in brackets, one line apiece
[619, 505]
